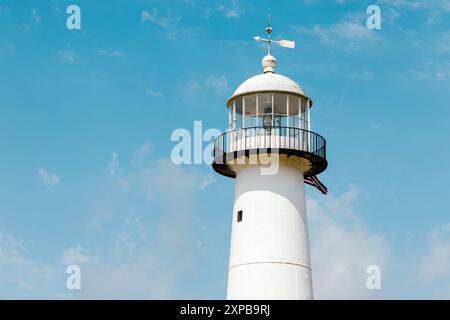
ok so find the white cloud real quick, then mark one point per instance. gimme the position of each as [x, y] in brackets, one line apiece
[348, 35]
[181, 33]
[231, 9]
[110, 53]
[433, 265]
[166, 21]
[153, 93]
[144, 259]
[128, 240]
[113, 165]
[136, 223]
[390, 15]
[32, 24]
[218, 83]
[10, 250]
[227, 12]
[378, 127]
[75, 255]
[207, 180]
[410, 4]
[160, 177]
[436, 263]
[431, 71]
[419, 4]
[434, 9]
[49, 179]
[164, 179]
[66, 56]
[170, 24]
[19, 273]
[36, 17]
[443, 43]
[141, 153]
[136, 277]
[190, 87]
[342, 247]
[10, 48]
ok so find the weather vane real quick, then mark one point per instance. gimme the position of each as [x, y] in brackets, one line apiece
[284, 43]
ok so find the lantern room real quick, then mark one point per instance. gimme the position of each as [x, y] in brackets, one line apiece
[270, 111]
[269, 100]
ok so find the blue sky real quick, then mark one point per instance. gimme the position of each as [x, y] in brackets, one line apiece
[86, 118]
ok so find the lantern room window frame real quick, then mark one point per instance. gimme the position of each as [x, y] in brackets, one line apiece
[280, 109]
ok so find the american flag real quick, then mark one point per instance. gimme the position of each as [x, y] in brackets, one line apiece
[315, 182]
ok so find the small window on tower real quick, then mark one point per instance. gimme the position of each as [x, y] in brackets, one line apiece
[239, 216]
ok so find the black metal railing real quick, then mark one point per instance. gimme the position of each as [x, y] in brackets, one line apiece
[278, 138]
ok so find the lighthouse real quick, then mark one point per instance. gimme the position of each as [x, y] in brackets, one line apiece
[270, 150]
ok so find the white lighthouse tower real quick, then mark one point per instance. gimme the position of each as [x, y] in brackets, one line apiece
[271, 151]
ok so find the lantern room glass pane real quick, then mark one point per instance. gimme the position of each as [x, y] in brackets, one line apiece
[265, 103]
[280, 105]
[250, 111]
[258, 110]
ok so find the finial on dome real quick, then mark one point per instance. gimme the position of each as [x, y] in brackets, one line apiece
[269, 63]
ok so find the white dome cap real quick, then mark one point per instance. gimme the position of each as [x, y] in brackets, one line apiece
[268, 82]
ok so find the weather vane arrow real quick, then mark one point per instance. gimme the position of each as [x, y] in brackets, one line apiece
[284, 43]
